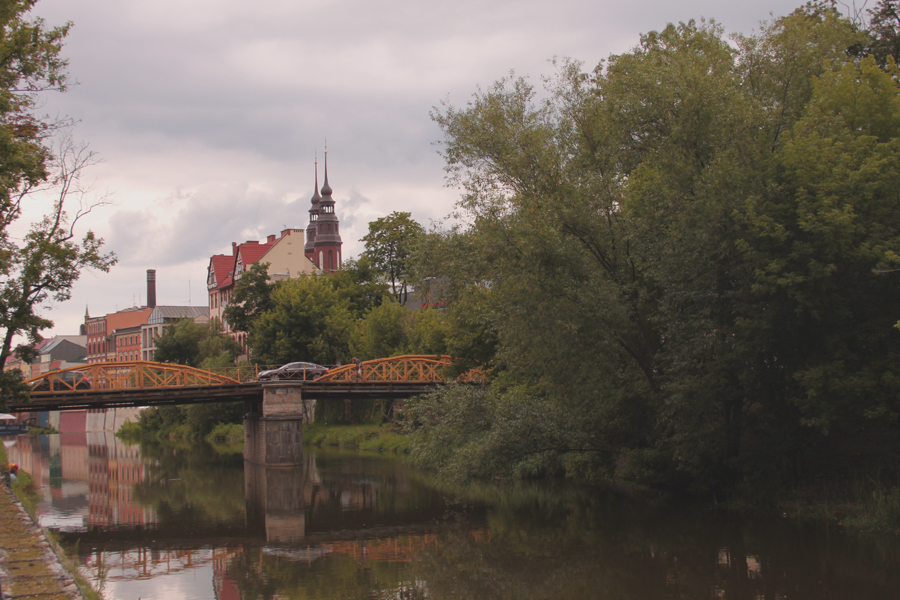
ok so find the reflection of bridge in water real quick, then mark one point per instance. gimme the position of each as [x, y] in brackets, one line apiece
[136, 521]
[275, 410]
[291, 508]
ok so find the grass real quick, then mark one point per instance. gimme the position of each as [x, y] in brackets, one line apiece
[366, 438]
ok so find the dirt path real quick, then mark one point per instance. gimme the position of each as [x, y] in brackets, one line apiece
[29, 568]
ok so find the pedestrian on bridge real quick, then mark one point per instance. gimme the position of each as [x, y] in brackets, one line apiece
[358, 364]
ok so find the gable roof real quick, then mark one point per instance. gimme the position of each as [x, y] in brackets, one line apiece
[220, 267]
[250, 252]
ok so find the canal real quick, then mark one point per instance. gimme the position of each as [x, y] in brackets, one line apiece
[186, 523]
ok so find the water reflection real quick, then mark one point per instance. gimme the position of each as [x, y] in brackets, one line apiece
[162, 522]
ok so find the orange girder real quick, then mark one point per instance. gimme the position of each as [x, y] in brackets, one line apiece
[131, 374]
[409, 368]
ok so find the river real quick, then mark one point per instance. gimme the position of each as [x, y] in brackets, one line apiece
[185, 523]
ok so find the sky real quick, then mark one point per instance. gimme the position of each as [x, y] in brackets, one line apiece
[208, 115]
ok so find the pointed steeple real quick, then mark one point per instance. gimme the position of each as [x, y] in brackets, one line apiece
[314, 209]
[311, 229]
[326, 189]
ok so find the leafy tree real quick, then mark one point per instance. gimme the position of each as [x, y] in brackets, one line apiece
[382, 333]
[251, 297]
[308, 321]
[361, 285]
[50, 257]
[673, 255]
[389, 244]
[196, 345]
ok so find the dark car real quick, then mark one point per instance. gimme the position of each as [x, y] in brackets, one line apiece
[303, 371]
[66, 380]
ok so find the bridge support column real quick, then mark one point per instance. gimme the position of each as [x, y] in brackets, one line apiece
[274, 436]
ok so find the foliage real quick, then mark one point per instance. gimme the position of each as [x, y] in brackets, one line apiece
[473, 432]
[196, 345]
[308, 321]
[365, 438]
[689, 280]
[389, 244]
[382, 333]
[392, 330]
[12, 388]
[183, 423]
[361, 285]
[250, 299]
[48, 259]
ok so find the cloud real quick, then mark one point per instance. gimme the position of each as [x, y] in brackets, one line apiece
[209, 113]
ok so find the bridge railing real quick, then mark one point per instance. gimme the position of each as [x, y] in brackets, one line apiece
[124, 375]
[408, 368]
[120, 375]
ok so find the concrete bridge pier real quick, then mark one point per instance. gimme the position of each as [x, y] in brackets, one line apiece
[273, 432]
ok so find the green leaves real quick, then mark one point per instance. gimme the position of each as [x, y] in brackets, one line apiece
[307, 321]
[680, 250]
[389, 245]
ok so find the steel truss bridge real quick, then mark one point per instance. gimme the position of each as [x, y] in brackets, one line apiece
[144, 383]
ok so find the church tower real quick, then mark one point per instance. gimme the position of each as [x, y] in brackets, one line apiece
[327, 243]
[310, 247]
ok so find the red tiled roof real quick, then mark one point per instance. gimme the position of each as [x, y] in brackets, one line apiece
[222, 264]
[250, 253]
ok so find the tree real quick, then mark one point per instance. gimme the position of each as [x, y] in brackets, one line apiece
[389, 244]
[382, 333]
[251, 298]
[50, 258]
[673, 255]
[196, 345]
[308, 321]
[361, 285]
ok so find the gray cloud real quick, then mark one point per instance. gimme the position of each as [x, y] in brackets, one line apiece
[209, 113]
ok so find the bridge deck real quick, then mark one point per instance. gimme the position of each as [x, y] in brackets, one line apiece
[142, 383]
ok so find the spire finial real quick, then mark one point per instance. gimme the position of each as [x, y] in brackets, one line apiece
[326, 189]
[316, 197]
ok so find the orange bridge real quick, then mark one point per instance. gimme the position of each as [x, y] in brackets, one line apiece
[144, 383]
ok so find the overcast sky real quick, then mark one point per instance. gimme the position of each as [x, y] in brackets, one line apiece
[208, 114]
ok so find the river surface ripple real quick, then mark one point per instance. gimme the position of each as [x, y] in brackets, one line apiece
[169, 524]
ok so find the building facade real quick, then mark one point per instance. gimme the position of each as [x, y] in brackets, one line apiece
[284, 255]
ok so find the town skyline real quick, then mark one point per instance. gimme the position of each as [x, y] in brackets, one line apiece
[209, 119]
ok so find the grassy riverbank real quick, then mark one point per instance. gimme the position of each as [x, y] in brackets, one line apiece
[365, 438]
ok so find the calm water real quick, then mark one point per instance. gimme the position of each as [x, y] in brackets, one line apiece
[171, 524]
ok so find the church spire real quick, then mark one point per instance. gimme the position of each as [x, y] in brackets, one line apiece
[316, 197]
[314, 210]
[326, 189]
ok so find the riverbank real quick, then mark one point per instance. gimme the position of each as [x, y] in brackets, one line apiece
[382, 438]
[31, 564]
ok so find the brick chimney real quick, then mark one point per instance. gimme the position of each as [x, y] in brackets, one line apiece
[151, 288]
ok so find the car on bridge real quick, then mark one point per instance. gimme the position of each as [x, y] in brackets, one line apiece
[302, 371]
[66, 380]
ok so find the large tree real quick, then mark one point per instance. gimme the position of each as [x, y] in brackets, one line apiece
[308, 321]
[193, 344]
[389, 243]
[677, 256]
[43, 263]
